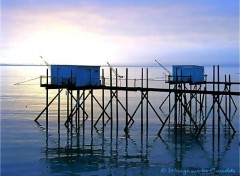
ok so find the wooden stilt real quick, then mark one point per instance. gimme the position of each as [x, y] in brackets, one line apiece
[47, 104]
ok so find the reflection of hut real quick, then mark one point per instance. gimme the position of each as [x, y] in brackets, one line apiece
[187, 74]
[77, 75]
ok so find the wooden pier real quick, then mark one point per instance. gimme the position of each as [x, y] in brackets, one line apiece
[181, 111]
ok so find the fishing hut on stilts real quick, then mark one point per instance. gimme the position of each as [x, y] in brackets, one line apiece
[191, 99]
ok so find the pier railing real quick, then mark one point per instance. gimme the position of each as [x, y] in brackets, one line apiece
[48, 81]
[178, 79]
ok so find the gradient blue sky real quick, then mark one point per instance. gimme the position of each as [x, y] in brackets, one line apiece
[135, 32]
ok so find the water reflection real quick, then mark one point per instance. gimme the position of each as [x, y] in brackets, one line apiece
[103, 153]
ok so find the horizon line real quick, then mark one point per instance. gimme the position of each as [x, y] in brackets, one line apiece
[120, 65]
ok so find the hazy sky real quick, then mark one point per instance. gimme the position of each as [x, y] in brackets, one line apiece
[120, 32]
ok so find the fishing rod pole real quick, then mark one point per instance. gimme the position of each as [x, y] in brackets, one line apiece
[163, 67]
[47, 64]
[27, 81]
[114, 71]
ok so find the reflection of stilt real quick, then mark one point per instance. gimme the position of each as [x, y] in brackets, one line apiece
[47, 145]
[180, 141]
[47, 106]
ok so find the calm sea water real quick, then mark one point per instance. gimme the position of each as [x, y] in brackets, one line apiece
[26, 148]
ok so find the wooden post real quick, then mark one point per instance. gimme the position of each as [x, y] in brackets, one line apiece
[213, 120]
[71, 92]
[76, 114]
[116, 102]
[226, 108]
[47, 103]
[83, 97]
[126, 120]
[181, 110]
[205, 99]
[169, 101]
[229, 97]
[196, 103]
[78, 110]
[200, 100]
[91, 112]
[111, 105]
[218, 99]
[103, 100]
[59, 109]
[175, 111]
[142, 106]
[147, 104]
[190, 106]
[71, 108]
[175, 101]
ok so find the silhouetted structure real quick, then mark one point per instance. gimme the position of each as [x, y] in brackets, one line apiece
[187, 85]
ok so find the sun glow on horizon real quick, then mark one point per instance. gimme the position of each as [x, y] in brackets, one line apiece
[64, 45]
[96, 33]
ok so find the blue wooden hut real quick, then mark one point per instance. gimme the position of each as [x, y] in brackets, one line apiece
[187, 73]
[76, 75]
